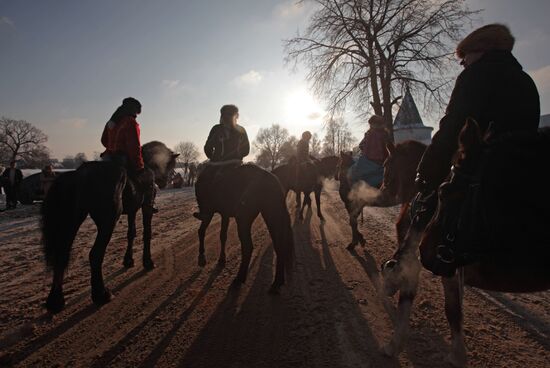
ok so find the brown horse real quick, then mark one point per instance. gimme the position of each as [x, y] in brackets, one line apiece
[307, 179]
[481, 179]
[244, 193]
[358, 195]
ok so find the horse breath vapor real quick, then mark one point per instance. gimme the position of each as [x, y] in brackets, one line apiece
[363, 193]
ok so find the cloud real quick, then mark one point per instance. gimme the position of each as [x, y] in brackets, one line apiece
[289, 9]
[250, 78]
[314, 116]
[76, 123]
[174, 86]
[5, 21]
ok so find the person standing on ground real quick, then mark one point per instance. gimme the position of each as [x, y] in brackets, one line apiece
[11, 178]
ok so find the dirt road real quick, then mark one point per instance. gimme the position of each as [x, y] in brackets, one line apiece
[181, 315]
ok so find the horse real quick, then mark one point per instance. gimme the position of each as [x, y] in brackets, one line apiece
[104, 191]
[308, 180]
[480, 179]
[243, 193]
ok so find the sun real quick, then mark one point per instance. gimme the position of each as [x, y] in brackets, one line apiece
[302, 111]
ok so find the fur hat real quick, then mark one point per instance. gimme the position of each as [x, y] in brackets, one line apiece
[490, 37]
[376, 120]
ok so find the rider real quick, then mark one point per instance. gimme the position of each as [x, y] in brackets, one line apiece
[302, 153]
[302, 148]
[121, 139]
[494, 91]
[369, 167]
[226, 146]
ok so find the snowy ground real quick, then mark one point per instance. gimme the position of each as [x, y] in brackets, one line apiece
[182, 315]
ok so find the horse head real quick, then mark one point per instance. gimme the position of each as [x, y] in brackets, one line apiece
[400, 170]
[160, 159]
[328, 166]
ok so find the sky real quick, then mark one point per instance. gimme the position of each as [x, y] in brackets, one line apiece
[66, 65]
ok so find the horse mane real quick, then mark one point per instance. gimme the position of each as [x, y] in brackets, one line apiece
[411, 147]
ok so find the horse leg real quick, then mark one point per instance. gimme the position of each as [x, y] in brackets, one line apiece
[100, 295]
[202, 233]
[131, 235]
[147, 213]
[356, 236]
[56, 301]
[223, 240]
[453, 310]
[243, 229]
[318, 202]
[306, 202]
[298, 198]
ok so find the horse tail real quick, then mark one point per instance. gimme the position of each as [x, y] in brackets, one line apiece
[277, 218]
[58, 212]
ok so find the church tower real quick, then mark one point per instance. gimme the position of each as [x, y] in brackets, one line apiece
[408, 124]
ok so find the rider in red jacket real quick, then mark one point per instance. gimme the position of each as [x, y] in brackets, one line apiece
[121, 139]
[121, 135]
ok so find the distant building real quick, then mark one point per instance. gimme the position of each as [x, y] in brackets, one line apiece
[544, 121]
[408, 124]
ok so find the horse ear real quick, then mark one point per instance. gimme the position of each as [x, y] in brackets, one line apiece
[390, 147]
[470, 136]
[175, 155]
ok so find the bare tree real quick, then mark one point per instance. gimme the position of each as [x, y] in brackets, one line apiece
[20, 138]
[269, 142]
[338, 137]
[79, 159]
[39, 157]
[188, 153]
[288, 149]
[365, 51]
[316, 146]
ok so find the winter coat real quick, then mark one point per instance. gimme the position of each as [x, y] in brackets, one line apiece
[227, 143]
[373, 145]
[495, 92]
[123, 138]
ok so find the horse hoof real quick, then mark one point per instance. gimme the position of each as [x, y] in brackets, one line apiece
[202, 260]
[455, 361]
[148, 264]
[128, 262]
[389, 350]
[274, 290]
[102, 297]
[237, 283]
[55, 303]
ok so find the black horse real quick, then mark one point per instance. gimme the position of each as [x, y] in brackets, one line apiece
[308, 179]
[103, 191]
[243, 193]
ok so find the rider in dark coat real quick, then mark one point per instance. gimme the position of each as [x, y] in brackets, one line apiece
[493, 89]
[226, 146]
